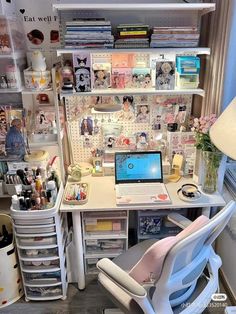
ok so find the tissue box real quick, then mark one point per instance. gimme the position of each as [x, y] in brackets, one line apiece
[37, 80]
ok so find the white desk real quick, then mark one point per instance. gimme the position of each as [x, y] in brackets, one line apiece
[102, 198]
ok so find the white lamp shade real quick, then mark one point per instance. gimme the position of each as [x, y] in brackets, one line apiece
[223, 131]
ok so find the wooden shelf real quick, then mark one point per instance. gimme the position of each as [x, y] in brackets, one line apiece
[203, 8]
[140, 91]
[176, 51]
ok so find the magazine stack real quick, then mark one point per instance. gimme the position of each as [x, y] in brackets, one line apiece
[132, 36]
[174, 37]
[88, 33]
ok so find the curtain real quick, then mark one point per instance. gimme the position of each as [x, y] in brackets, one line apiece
[215, 33]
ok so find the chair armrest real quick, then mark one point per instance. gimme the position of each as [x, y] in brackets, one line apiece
[179, 220]
[120, 277]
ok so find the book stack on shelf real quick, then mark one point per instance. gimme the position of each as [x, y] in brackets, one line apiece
[88, 33]
[132, 36]
[174, 37]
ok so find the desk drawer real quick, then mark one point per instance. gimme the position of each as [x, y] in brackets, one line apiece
[105, 223]
[105, 246]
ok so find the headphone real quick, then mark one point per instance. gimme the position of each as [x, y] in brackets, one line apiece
[189, 192]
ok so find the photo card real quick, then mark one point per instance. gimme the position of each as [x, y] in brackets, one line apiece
[141, 78]
[165, 75]
[86, 126]
[142, 113]
[142, 140]
[102, 75]
[82, 68]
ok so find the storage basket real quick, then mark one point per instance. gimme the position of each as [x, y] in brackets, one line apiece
[10, 279]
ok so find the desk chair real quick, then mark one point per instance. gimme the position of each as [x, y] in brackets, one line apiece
[174, 275]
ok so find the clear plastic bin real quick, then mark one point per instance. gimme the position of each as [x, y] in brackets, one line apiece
[37, 229]
[52, 277]
[35, 292]
[37, 241]
[112, 246]
[45, 264]
[38, 253]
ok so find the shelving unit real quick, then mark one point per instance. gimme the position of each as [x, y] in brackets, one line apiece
[105, 235]
[51, 142]
[153, 14]
[12, 50]
[41, 245]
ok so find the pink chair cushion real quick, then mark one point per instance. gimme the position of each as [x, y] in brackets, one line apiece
[150, 264]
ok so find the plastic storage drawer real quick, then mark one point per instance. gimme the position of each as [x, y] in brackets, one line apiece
[38, 253]
[106, 246]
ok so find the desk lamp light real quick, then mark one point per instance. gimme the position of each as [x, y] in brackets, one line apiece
[223, 131]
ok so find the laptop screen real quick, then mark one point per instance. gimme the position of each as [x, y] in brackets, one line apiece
[131, 167]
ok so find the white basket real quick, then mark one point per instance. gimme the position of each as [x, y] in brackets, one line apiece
[10, 279]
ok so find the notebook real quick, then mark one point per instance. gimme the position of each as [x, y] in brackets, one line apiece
[139, 178]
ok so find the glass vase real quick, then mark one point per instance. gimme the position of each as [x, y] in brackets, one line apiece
[210, 175]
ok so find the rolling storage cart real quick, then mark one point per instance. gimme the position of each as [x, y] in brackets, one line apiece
[41, 243]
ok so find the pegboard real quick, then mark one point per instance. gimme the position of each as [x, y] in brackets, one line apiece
[80, 107]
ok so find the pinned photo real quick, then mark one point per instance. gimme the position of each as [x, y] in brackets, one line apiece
[86, 126]
[143, 115]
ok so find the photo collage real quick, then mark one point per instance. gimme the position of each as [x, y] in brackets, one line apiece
[130, 122]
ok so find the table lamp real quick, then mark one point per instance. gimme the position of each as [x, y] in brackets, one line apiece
[223, 131]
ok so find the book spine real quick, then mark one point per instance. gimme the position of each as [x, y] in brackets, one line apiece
[132, 29]
[133, 33]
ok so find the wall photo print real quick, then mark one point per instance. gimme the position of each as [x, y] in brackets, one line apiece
[86, 126]
[81, 63]
[165, 75]
[143, 115]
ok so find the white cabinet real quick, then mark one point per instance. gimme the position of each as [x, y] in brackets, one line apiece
[105, 234]
[41, 243]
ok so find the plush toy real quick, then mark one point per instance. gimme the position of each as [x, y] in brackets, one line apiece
[38, 61]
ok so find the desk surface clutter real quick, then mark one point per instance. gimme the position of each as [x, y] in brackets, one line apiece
[102, 197]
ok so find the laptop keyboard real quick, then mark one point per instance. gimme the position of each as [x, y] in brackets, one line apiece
[140, 189]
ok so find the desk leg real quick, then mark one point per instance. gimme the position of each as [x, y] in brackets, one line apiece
[206, 211]
[79, 248]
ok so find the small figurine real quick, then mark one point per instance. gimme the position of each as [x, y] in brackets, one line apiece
[38, 61]
[67, 78]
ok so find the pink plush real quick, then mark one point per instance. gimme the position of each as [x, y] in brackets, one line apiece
[150, 264]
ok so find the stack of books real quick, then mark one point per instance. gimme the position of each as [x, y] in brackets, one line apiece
[88, 33]
[132, 36]
[174, 37]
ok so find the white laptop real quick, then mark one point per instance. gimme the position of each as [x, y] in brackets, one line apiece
[139, 178]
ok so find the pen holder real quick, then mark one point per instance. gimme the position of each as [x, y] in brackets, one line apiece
[76, 193]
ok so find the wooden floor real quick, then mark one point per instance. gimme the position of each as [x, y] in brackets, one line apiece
[90, 301]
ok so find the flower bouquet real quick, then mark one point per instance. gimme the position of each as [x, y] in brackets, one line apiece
[211, 155]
